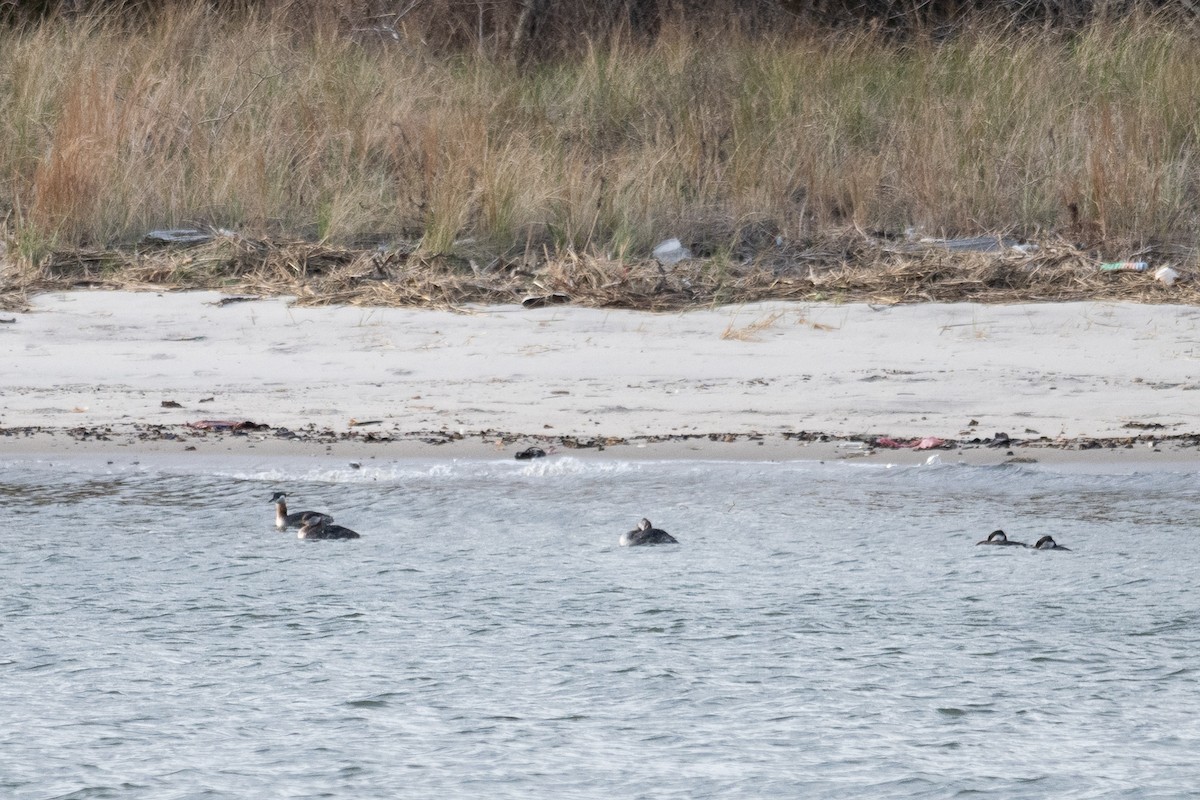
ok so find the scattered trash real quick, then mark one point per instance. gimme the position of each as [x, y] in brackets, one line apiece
[540, 301]
[355, 465]
[1145, 426]
[171, 404]
[925, 443]
[530, 452]
[183, 236]
[974, 244]
[237, 298]
[207, 400]
[354, 423]
[969, 244]
[934, 460]
[8, 321]
[1165, 276]
[1124, 266]
[999, 439]
[671, 251]
[187, 237]
[227, 425]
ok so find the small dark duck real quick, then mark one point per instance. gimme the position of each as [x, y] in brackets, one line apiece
[646, 533]
[1000, 538]
[1048, 543]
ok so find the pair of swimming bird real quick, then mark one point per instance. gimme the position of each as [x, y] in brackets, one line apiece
[1044, 543]
[312, 524]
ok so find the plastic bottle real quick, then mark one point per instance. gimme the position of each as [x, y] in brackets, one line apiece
[1125, 266]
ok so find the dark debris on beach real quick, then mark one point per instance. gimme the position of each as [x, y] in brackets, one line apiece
[502, 441]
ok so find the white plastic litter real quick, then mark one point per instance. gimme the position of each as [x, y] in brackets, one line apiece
[1165, 275]
[671, 251]
[184, 236]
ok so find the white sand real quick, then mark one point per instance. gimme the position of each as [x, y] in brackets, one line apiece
[1071, 370]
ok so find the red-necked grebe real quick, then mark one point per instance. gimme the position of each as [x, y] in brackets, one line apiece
[646, 533]
[284, 520]
[318, 527]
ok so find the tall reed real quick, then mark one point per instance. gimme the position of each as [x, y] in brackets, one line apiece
[108, 130]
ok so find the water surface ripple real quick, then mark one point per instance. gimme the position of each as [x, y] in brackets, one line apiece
[821, 630]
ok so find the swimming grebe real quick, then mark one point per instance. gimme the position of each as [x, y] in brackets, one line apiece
[318, 527]
[284, 520]
[646, 534]
[1047, 543]
[999, 537]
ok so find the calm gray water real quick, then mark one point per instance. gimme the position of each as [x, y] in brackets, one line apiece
[821, 630]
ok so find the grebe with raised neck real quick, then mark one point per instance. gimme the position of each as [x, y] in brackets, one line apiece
[318, 526]
[999, 537]
[284, 520]
[1048, 543]
[646, 533]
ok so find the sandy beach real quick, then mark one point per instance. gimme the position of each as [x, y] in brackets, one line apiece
[97, 371]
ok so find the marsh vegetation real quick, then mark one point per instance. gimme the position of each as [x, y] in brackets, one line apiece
[774, 155]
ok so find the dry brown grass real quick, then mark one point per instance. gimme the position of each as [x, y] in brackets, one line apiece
[750, 331]
[761, 154]
[847, 268]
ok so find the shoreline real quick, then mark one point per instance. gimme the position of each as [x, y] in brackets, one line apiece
[1090, 383]
[189, 446]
